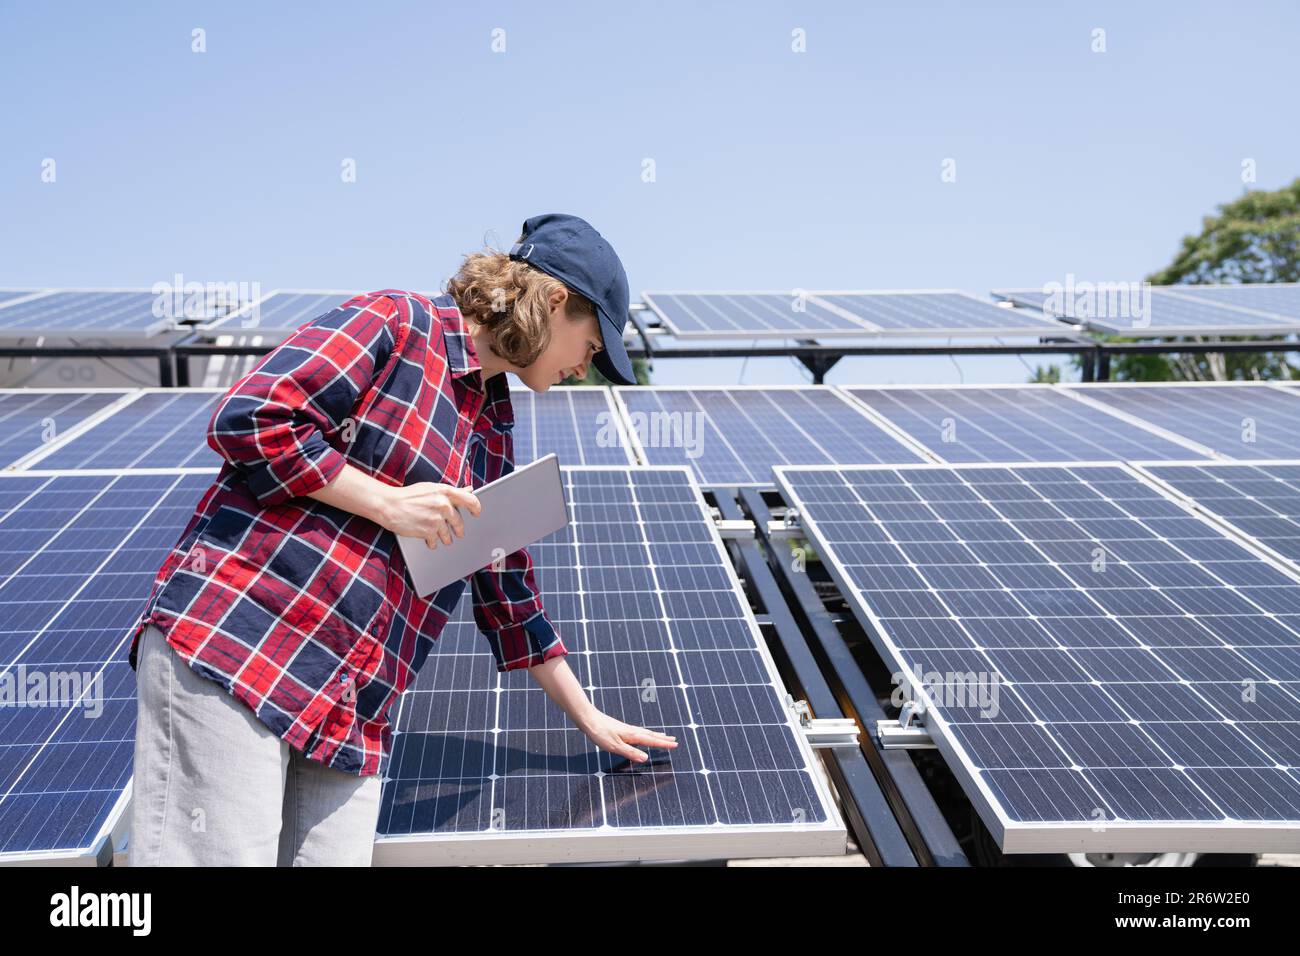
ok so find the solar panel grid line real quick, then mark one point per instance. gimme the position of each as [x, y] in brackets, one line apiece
[1245, 420]
[1222, 295]
[982, 315]
[124, 313]
[1155, 429]
[572, 421]
[25, 441]
[160, 427]
[87, 819]
[1017, 835]
[750, 313]
[1009, 425]
[1280, 540]
[761, 430]
[923, 451]
[661, 498]
[1281, 299]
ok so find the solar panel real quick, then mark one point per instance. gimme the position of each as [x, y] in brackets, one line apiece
[159, 428]
[32, 418]
[78, 554]
[749, 315]
[1237, 420]
[284, 310]
[579, 424]
[1103, 670]
[936, 313]
[1009, 424]
[104, 312]
[1155, 312]
[733, 436]
[486, 769]
[1260, 499]
[1281, 299]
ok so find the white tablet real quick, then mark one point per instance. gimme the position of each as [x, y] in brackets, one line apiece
[517, 509]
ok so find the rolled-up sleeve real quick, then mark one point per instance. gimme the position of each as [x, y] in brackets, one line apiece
[275, 425]
[508, 610]
[507, 604]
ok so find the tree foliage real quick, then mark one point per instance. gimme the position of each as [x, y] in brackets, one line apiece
[1255, 238]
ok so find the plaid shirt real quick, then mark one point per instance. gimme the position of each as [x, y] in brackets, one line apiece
[304, 611]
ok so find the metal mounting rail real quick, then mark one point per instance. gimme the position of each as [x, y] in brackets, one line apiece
[864, 806]
[909, 796]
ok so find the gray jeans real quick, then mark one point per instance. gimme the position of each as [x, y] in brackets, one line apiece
[215, 787]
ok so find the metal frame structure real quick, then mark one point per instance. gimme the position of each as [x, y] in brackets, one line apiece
[783, 592]
[1019, 837]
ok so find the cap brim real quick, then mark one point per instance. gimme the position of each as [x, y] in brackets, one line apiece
[612, 360]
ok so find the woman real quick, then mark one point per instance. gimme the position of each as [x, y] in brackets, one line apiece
[282, 625]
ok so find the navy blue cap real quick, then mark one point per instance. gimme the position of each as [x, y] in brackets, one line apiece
[569, 249]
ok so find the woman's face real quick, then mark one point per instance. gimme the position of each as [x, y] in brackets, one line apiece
[573, 343]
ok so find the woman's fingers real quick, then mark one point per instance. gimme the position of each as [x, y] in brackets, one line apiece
[452, 517]
[465, 497]
[650, 738]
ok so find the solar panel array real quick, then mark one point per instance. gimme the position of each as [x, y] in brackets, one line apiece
[658, 632]
[32, 418]
[940, 313]
[160, 428]
[953, 565]
[733, 436]
[1279, 299]
[78, 554]
[108, 312]
[800, 314]
[282, 311]
[1261, 500]
[1027, 423]
[1111, 632]
[1236, 420]
[1153, 311]
[749, 314]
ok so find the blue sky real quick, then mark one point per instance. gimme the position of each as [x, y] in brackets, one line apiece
[773, 169]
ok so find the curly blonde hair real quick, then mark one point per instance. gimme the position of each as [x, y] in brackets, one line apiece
[512, 300]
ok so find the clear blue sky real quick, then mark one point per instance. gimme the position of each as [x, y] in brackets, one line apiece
[774, 169]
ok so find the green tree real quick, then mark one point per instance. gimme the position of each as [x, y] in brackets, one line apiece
[1252, 239]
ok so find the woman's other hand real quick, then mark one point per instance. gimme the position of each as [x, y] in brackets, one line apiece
[427, 510]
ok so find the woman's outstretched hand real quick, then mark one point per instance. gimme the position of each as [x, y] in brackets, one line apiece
[427, 510]
[610, 734]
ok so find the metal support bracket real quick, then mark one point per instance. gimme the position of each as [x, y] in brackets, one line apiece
[825, 732]
[737, 528]
[907, 732]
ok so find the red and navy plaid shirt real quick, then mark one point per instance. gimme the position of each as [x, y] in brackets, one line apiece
[304, 611]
